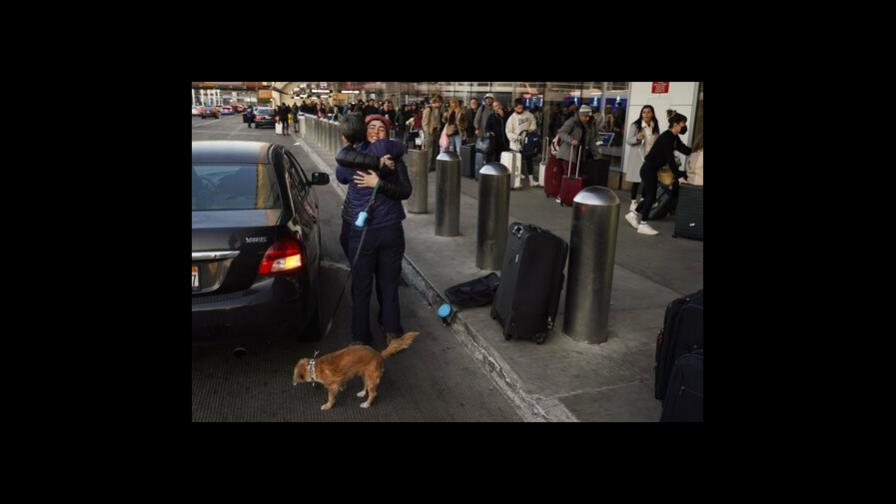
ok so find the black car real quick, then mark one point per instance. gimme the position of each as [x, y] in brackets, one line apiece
[264, 116]
[256, 242]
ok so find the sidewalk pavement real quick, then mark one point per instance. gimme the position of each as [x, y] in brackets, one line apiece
[563, 379]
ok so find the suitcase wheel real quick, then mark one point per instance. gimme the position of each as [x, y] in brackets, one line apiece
[541, 337]
[508, 337]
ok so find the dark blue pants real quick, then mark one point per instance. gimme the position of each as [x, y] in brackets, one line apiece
[381, 255]
[343, 240]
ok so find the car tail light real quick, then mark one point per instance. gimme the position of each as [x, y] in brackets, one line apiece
[283, 255]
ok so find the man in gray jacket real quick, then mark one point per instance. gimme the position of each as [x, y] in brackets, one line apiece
[579, 131]
[482, 114]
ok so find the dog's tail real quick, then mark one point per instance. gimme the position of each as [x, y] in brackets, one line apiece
[399, 344]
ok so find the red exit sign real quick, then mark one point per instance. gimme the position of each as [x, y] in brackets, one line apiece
[660, 87]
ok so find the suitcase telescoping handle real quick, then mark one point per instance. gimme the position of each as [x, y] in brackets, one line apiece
[579, 160]
[572, 150]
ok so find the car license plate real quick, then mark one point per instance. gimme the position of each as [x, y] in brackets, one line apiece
[195, 277]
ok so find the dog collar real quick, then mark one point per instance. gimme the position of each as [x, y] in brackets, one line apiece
[312, 369]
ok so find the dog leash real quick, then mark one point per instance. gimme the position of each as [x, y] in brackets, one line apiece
[361, 222]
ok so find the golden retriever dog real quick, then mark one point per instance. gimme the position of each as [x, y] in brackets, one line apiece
[334, 369]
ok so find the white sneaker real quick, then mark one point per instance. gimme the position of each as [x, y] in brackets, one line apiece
[633, 219]
[531, 181]
[644, 228]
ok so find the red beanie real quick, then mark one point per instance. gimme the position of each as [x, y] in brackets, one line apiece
[376, 117]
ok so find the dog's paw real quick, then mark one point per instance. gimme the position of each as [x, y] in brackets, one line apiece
[362, 393]
[365, 405]
[326, 407]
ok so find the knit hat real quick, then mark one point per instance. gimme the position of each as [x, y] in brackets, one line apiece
[376, 117]
[585, 110]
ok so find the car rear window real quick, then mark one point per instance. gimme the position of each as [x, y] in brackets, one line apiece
[264, 111]
[235, 187]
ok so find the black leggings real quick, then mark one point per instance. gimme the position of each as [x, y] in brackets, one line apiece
[635, 186]
[648, 191]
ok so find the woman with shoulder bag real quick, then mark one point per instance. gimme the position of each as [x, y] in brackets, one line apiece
[455, 121]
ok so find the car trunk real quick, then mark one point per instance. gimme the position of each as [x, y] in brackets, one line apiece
[228, 246]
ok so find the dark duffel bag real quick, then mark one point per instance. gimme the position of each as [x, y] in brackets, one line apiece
[477, 292]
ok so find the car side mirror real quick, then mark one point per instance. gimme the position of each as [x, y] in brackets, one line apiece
[320, 178]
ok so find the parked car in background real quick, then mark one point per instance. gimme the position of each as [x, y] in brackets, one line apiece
[209, 112]
[264, 116]
[226, 110]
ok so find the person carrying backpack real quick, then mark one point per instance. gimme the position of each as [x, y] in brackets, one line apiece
[519, 125]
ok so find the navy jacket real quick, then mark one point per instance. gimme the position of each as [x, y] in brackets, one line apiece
[395, 185]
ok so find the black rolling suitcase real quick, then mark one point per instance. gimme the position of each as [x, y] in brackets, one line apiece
[468, 160]
[531, 280]
[684, 397]
[682, 333]
[596, 172]
[689, 213]
[478, 163]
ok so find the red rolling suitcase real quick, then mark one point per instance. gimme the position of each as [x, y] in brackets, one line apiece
[570, 186]
[552, 176]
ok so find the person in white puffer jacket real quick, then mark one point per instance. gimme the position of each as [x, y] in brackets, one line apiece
[519, 124]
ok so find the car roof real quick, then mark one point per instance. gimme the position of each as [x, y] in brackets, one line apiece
[231, 151]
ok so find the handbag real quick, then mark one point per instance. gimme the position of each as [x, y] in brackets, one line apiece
[443, 140]
[666, 176]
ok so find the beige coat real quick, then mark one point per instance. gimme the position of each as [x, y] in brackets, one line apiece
[431, 120]
[695, 168]
[461, 119]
